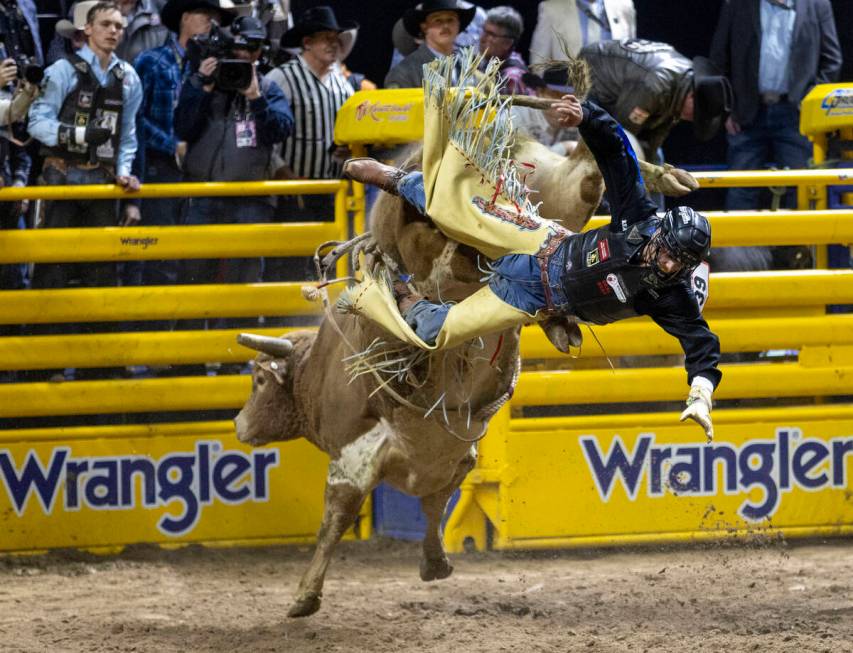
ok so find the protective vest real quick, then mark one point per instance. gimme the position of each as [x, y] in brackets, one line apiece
[90, 102]
[598, 280]
[230, 146]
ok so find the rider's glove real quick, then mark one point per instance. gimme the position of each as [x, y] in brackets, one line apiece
[88, 135]
[699, 405]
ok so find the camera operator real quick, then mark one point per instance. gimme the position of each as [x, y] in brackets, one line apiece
[19, 35]
[86, 122]
[230, 118]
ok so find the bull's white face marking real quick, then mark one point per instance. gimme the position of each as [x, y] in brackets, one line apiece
[359, 461]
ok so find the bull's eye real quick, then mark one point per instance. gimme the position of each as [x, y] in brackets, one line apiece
[261, 380]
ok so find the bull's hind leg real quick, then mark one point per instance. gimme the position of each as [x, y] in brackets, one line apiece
[351, 476]
[434, 564]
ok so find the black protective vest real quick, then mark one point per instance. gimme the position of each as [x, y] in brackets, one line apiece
[87, 102]
[598, 280]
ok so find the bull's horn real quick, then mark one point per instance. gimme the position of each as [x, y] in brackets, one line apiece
[266, 344]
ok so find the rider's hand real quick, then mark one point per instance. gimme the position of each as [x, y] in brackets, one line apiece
[568, 110]
[8, 71]
[699, 405]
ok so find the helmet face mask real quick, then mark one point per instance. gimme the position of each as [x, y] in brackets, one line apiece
[686, 235]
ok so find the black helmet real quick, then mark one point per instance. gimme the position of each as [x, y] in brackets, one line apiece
[248, 32]
[687, 236]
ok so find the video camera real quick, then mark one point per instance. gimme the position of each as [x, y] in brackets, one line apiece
[231, 74]
[18, 44]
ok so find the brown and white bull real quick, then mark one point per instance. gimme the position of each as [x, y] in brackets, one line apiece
[300, 389]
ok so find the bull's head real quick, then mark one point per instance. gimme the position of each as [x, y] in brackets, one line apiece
[271, 412]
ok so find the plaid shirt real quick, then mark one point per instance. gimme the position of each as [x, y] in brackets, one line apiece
[161, 72]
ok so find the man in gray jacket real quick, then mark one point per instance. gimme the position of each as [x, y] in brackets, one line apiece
[437, 23]
[649, 87]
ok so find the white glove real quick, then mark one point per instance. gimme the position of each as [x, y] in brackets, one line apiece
[699, 405]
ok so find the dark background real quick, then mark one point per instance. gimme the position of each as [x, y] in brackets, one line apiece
[686, 24]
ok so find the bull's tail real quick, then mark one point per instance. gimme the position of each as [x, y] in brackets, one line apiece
[577, 69]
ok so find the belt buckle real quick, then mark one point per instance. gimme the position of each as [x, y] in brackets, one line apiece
[770, 98]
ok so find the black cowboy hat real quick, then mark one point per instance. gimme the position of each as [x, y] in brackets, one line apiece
[316, 19]
[712, 98]
[172, 11]
[413, 17]
[555, 78]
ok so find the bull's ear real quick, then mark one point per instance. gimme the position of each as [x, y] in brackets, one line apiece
[277, 367]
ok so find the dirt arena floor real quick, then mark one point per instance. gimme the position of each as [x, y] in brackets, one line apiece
[755, 597]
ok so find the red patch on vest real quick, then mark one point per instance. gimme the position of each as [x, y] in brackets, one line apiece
[603, 250]
[603, 288]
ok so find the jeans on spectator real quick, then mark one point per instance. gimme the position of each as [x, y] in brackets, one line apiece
[774, 137]
[224, 210]
[77, 213]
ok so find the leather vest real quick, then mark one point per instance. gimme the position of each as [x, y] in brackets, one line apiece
[217, 155]
[88, 101]
[598, 280]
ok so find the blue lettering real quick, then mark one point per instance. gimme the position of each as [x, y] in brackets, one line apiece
[685, 476]
[264, 460]
[605, 473]
[102, 491]
[762, 475]
[659, 454]
[180, 489]
[714, 453]
[809, 455]
[784, 460]
[223, 478]
[143, 466]
[840, 449]
[74, 469]
[32, 477]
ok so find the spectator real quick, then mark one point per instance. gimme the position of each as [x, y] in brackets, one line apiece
[438, 23]
[316, 90]
[15, 166]
[772, 66]
[503, 27]
[544, 126]
[405, 43]
[162, 71]
[230, 135]
[21, 17]
[144, 29]
[358, 81]
[86, 122]
[579, 23]
[649, 87]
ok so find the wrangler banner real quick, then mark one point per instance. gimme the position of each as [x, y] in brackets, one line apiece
[92, 493]
[591, 487]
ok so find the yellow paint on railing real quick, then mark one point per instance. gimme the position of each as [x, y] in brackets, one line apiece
[154, 243]
[153, 303]
[642, 337]
[123, 349]
[202, 189]
[761, 178]
[738, 228]
[534, 389]
[665, 384]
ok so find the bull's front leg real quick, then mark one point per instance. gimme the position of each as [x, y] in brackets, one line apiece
[351, 477]
[434, 564]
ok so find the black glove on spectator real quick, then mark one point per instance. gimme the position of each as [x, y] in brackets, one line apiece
[88, 135]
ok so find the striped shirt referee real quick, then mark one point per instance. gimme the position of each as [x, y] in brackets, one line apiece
[315, 103]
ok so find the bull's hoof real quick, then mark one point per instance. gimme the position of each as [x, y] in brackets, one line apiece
[435, 569]
[305, 605]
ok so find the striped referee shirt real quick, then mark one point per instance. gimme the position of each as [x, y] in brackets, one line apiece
[315, 104]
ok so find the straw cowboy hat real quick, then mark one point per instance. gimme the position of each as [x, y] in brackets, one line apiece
[413, 17]
[316, 19]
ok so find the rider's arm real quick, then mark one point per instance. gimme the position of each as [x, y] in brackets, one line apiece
[608, 143]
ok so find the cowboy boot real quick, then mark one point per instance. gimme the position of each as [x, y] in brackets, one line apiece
[370, 171]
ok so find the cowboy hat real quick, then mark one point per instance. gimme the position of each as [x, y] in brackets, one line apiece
[174, 9]
[316, 19]
[413, 17]
[555, 78]
[712, 98]
[79, 13]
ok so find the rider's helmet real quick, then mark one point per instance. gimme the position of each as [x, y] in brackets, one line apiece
[686, 235]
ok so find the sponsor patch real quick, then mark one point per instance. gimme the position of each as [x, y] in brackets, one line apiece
[603, 250]
[638, 116]
[591, 258]
[615, 282]
[603, 288]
